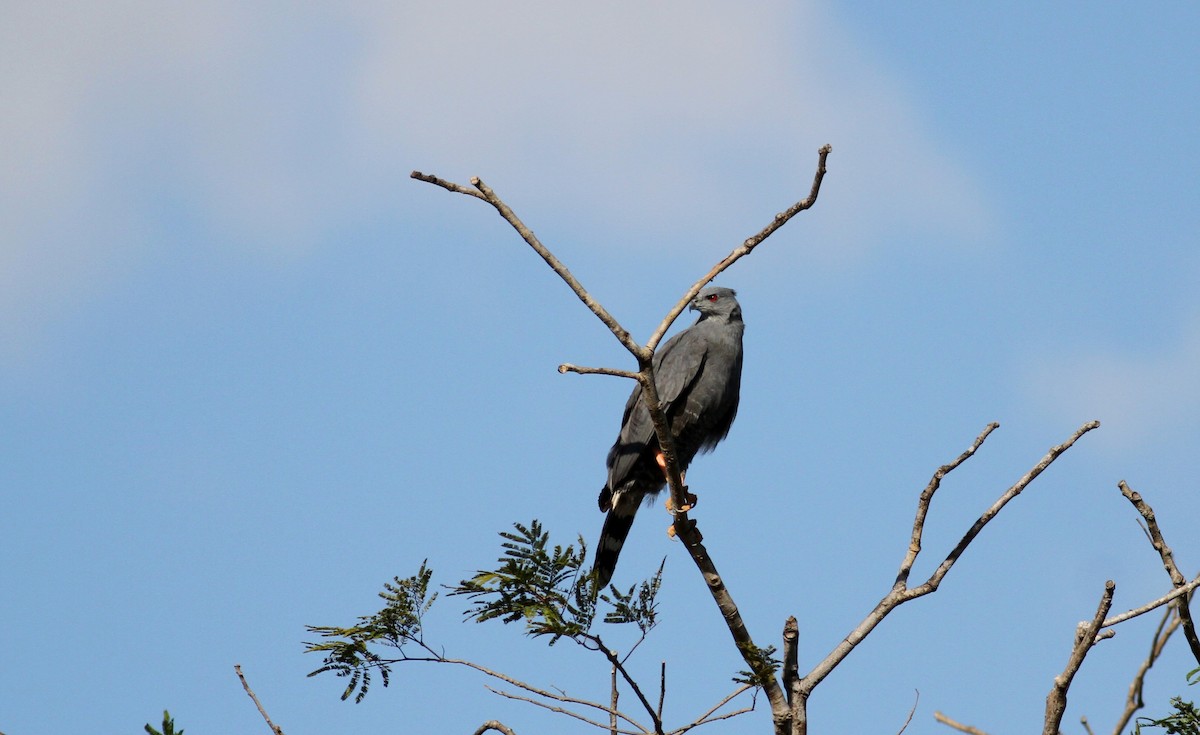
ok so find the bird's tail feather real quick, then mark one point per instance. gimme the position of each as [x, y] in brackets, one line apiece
[612, 538]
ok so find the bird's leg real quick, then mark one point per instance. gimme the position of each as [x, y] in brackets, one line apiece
[689, 498]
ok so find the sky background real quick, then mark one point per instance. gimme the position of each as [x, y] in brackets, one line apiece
[250, 370]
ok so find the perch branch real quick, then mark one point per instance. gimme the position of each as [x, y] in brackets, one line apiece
[245, 685]
[1168, 561]
[685, 528]
[1085, 638]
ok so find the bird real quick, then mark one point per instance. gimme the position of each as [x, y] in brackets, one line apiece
[698, 374]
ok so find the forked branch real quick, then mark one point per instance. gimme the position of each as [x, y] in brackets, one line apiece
[686, 529]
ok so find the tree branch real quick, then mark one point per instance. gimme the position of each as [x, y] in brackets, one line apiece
[276, 729]
[1134, 701]
[1085, 638]
[567, 712]
[900, 593]
[685, 528]
[957, 725]
[1177, 592]
[745, 248]
[494, 725]
[1168, 561]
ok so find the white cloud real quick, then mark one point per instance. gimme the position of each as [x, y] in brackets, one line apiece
[265, 126]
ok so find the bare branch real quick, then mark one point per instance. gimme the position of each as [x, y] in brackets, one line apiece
[1170, 596]
[1085, 638]
[567, 367]
[901, 594]
[567, 712]
[1134, 701]
[911, 712]
[914, 545]
[448, 185]
[1168, 560]
[619, 667]
[1086, 725]
[791, 655]
[276, 729]
[1054, 453]
[662, 689]
[957, 725]
[494, 725]
[708, 716]
[485, 193]
[744, 249]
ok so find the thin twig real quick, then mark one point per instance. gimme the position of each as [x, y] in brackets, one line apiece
[245, 685]
[1170, 596]
[898, 596]
[1134, 701]
[494, 725]
[1087, 726]
[449, 185]
[708, 716]
[1168, 561]
[662, 689]
[619, 667]
[565, 711]
[567, 367]
[914, 544]
[1085, 638]
[958, 725]
[745, 248]
[911, 712]
[614, 698]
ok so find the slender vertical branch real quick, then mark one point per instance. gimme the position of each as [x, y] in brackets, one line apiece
[1168, 561]
[1085, 638]
[1134, 701]
[276, 729]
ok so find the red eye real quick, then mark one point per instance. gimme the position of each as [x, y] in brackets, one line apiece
[712, 297]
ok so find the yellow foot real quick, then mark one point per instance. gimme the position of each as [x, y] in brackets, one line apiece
[689, 497]
[673, 533]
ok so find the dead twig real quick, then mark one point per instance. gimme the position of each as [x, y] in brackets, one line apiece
[1134, 701]
[958, 725]
[1085, 638]
[494, 725]
[802, 688]
[1168, 561]
[245, 685]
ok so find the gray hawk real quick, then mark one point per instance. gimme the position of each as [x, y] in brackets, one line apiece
[698, 373]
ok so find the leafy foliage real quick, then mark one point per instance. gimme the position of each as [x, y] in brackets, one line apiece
[534, 583]
[1185, 720]
[543, 585]
[397, 624]
[642, 611]
[764, 664]
[168, 726]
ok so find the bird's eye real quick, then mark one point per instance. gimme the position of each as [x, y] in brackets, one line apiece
[712, 297]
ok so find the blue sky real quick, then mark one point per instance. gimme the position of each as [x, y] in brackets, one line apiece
[251, 370]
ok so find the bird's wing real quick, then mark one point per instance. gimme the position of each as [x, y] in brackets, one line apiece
[676, 365]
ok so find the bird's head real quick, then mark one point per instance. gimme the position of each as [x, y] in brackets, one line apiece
[717, 301]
